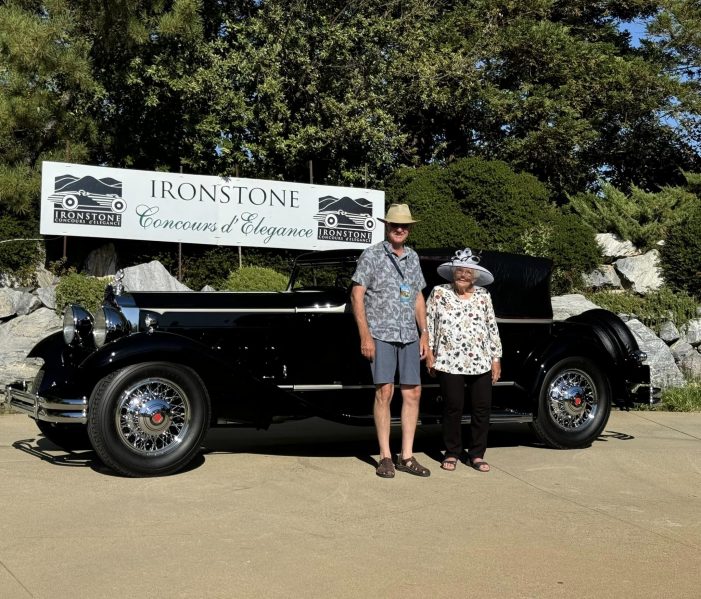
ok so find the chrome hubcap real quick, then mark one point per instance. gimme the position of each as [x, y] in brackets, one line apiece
[572, 400]
[153, 416]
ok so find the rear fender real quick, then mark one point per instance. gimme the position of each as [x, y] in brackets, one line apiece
[539, 363]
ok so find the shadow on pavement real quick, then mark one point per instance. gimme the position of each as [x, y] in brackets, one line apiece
[313, 437]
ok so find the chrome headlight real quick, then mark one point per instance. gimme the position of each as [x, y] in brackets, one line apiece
[110, 323]
[77, 324]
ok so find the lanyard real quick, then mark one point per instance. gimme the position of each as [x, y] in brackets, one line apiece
[390, 255]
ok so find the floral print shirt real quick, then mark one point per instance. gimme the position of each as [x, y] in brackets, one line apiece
[462, 333]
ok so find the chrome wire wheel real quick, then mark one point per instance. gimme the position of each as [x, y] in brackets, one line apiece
[572, 400]
[153, 416]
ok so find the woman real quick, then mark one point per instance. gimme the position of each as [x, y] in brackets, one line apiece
[464, 352]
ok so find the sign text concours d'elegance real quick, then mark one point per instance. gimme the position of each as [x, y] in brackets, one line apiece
[94, 201]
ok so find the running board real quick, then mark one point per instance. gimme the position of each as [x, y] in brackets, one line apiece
[466, 419]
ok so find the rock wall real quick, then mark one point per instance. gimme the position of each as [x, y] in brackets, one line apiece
[28, 315]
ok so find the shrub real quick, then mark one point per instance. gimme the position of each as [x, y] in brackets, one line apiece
[443, 223]
[255, 278]
[75, 288]
[640, 217]
[484, 204]
[206, 265]
[569, 242]
[210, 267]
[679, 399]
[652, 309]
[680, 256]
[471, 202]
[19, 258]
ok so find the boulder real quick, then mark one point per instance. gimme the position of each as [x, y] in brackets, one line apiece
[20, 335]
[690, 365]
[101, 262]
[47, 295]
[612, 247]
[565, 306]
[604, 277]
[664, 372]
[642, 273]
[669, 333]
[691, 332]
[680, 350]
[208, 288]
[152, 276]
[13, 301]
[45, 278]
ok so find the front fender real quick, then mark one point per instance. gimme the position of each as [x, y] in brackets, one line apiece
[147, 347]
[48, 347]
[234, 392]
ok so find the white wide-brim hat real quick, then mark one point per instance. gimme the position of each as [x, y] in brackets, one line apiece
[398, 213]
[466, 259]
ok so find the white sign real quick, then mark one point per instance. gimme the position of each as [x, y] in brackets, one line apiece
[95, 201]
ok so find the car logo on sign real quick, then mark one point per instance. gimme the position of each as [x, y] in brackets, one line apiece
[345, 219]
[88, 201]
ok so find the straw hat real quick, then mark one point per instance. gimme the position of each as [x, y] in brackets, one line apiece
[398, 213]
[466, 259]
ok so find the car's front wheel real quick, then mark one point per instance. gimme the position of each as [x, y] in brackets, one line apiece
[148, 419]
[574, 404]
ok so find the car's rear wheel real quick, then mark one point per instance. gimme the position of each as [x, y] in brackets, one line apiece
[148, 419]
[574, 404]
[65, 436]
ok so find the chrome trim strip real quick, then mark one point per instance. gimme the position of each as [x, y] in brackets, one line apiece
[316, 309]
[162, 311]
[525, 320]
[340, 387]
[323, 309]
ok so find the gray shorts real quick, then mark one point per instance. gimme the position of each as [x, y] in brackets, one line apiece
[389, 356]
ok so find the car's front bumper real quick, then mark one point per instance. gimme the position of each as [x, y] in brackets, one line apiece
[55, 409]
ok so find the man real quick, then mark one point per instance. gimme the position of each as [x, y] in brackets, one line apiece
[388, 306]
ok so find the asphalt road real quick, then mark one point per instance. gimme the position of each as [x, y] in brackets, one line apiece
[297, 511]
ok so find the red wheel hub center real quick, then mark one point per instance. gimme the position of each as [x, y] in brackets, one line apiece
[157, 418]
[577, 401]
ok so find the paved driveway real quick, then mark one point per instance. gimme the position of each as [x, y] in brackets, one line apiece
[298, 512]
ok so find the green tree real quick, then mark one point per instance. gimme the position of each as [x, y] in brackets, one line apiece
[47, 91]
[641, 217]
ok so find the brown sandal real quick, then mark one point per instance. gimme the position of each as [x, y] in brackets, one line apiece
[449, 464]
[478, 466]
[411, 466]
[385, 469]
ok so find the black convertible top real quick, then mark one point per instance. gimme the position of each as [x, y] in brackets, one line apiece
[521, 287]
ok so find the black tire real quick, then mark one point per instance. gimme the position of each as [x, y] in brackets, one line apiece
[148, 419]
[66, 436]
[574, 404]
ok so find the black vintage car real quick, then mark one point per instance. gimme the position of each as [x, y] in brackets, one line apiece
[150, 373]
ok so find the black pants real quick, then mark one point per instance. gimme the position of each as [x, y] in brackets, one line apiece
[453, 389]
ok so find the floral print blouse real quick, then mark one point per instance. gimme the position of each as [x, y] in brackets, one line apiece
[462, 333]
